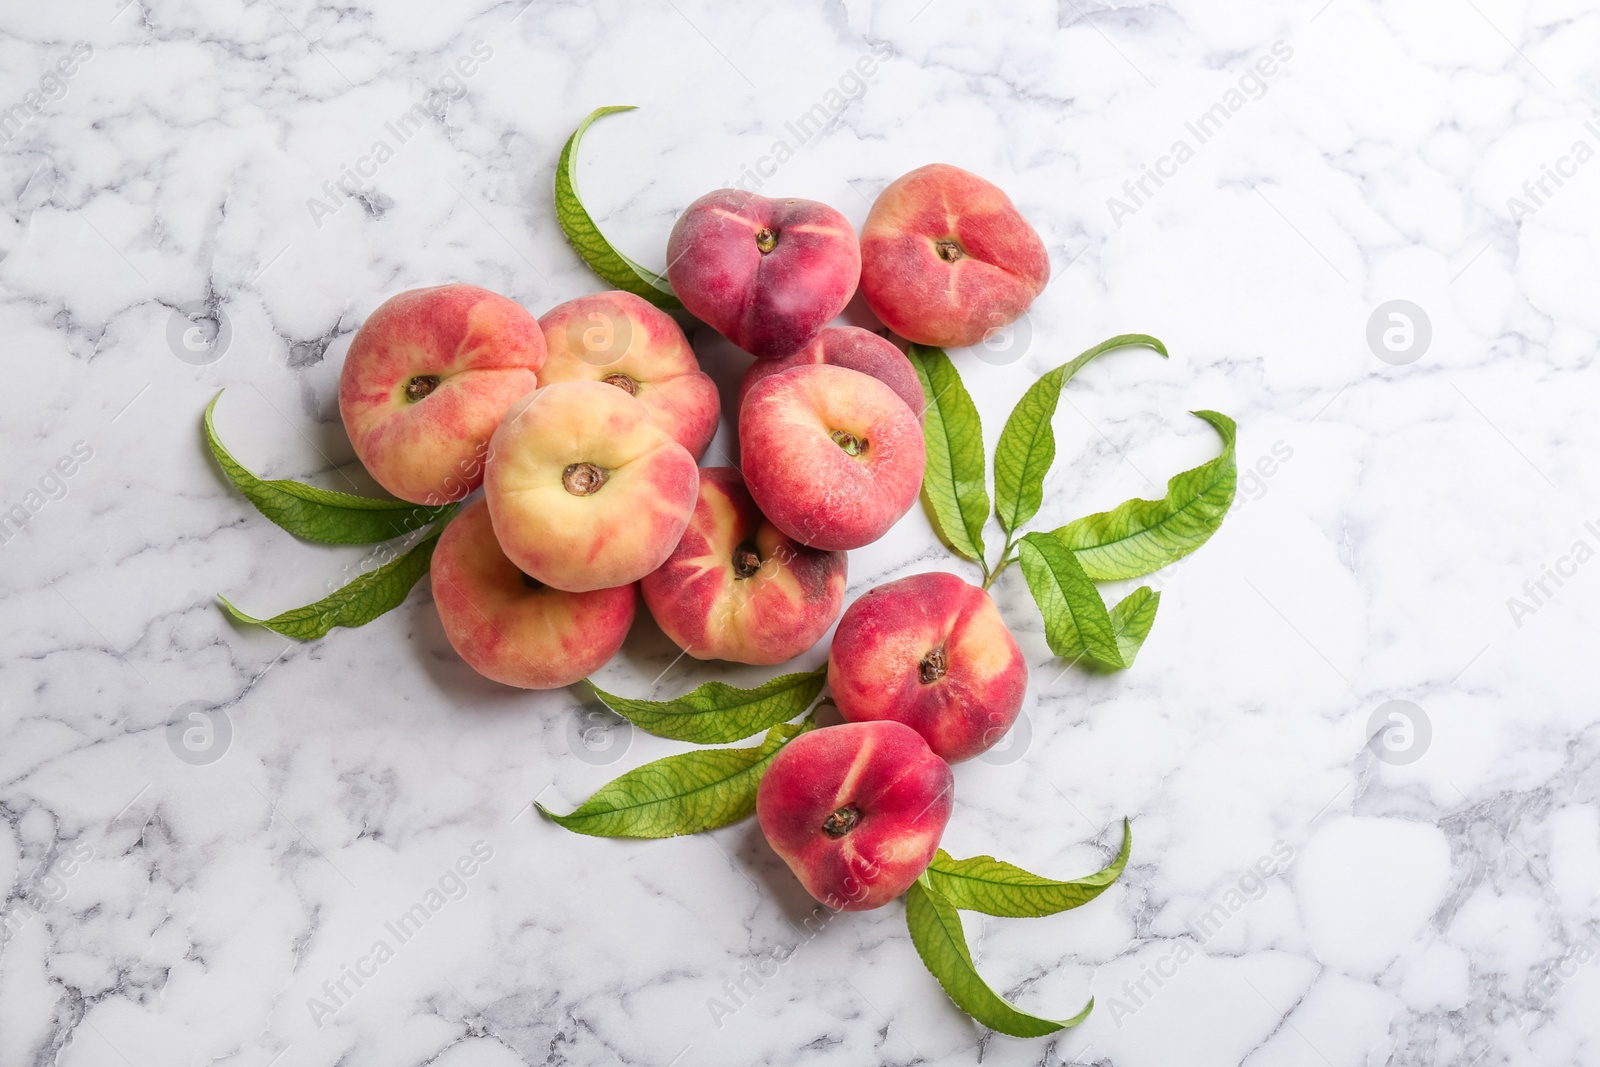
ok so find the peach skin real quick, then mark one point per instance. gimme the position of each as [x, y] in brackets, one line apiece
[856, 811]
[932, 652]
[585, 489]
[510, 628]
[852, 347]
[766, 274]
[737, 588]
[832, 456]
[626, 341]
[425, 382]
[946, 257]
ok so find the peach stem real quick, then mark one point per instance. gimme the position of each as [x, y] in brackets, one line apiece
[583, 479]
[842, 821]
[1006, 560]
[421, 386]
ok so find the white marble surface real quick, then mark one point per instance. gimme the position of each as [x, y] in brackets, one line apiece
[1441, 911]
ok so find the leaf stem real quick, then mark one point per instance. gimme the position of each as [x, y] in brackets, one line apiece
[1006, 560]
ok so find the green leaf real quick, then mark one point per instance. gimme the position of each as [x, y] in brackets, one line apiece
[954, 482]
[586, 237]
[1076, 622]
[715, 714]
[680, 794]
[936, 932]
[1132, 618]
[359, 601]
[1138, 537]
[319, 514]
[1028, 443]
[995, 887]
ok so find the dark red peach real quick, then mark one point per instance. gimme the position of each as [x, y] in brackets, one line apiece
[852, 347]
[738, 588]
[766, 274]
[832, 456]
[930, 651]
[856, 811]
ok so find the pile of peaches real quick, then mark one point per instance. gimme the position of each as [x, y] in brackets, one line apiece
[585, 429]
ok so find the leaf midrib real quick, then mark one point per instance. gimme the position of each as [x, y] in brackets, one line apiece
[1041, 882]
[657, 708]
[1039, 427]
[675, 796]
[950, 454]
[1172, 514]
[972, 538]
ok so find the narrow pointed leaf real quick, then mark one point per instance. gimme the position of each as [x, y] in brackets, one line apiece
[936, 932]
[954, 482]
[586, 237]
[995, 887]
[1138, 537]
[358, 601]
[1028, 442]
[1131, 619]
[682, 794]
[1076, 622]
[318, 514]
[715, 713]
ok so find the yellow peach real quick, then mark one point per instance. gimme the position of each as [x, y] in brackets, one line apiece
[586, 490]
[626, 341]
